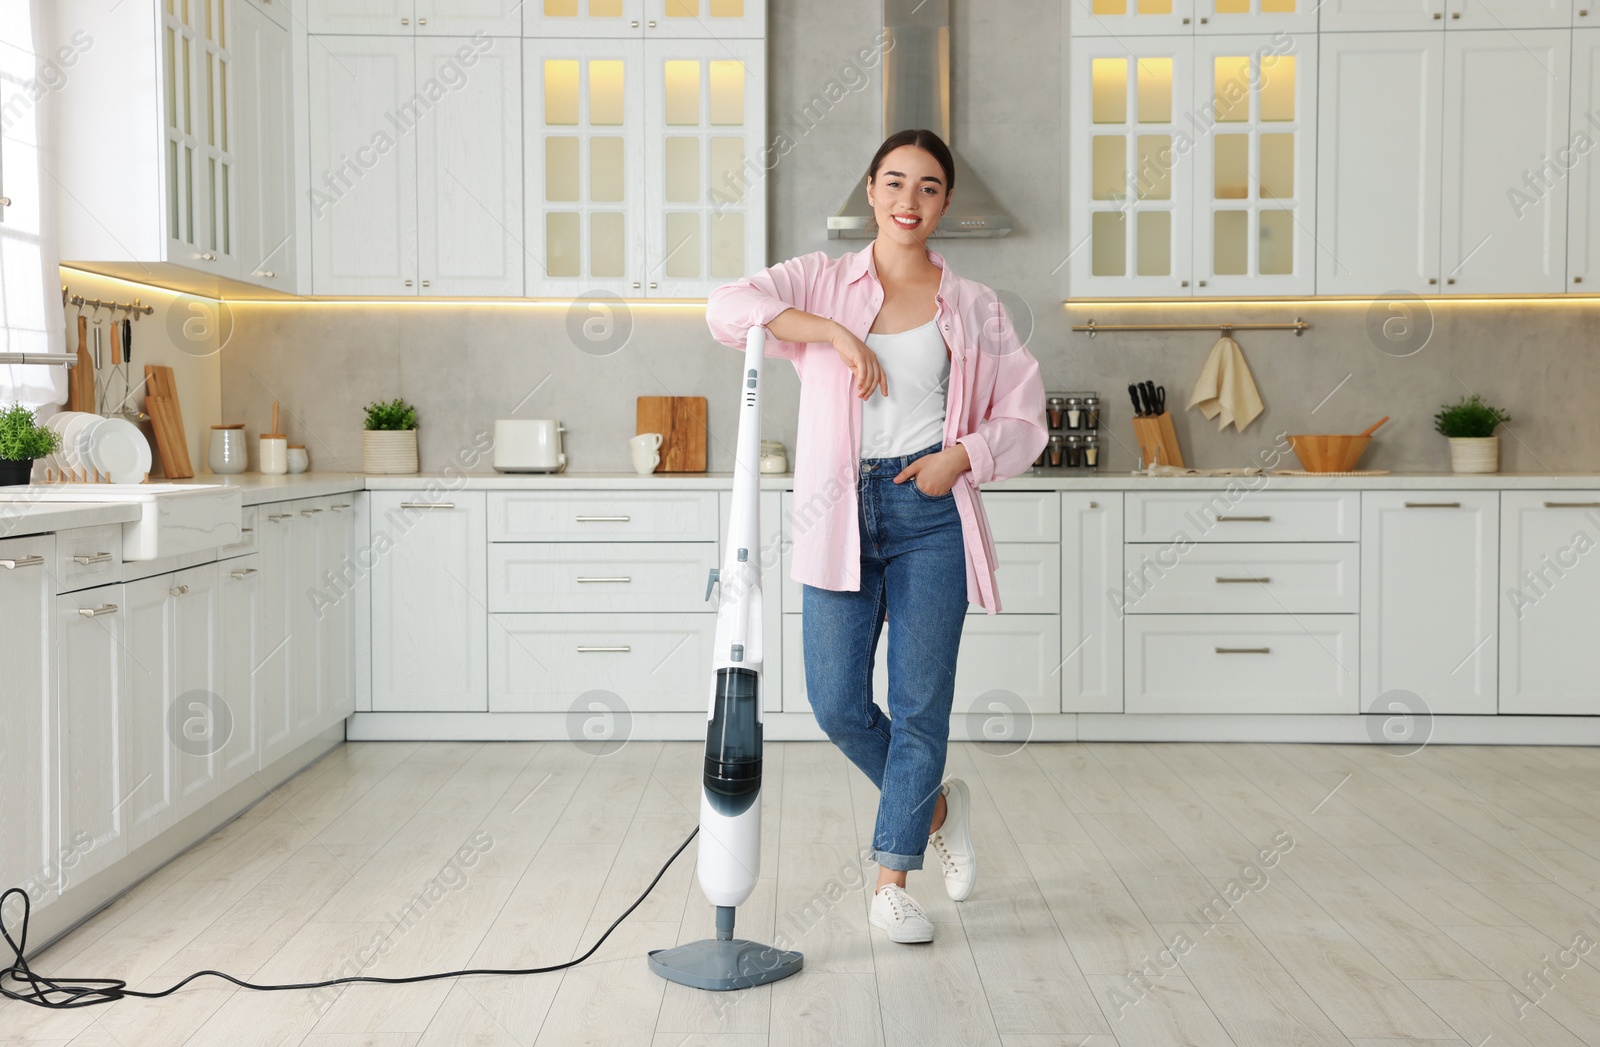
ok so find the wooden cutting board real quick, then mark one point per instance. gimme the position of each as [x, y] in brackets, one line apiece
[681, 421]
[172, 441]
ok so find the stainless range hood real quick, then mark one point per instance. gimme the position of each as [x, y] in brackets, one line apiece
[916, 94]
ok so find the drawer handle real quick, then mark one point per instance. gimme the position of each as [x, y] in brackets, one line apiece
[583, 649]
[85, 559]
[1436, 505]
[1243, 519]
[1244, 650]
[245, 573]
[1094, 505]
[341, 507]
[308, 512]
[22, 561]
[607, 578]
[427, 505]
[247, 530]
[1572, 505]
[603, 519]
[1224, 581]
[275, 517]
[178, 590]
[95, 612]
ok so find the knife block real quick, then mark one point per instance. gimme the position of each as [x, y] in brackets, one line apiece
[1158, 441]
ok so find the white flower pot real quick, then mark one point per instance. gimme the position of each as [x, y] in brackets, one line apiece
[388, 450]
[1475, 454]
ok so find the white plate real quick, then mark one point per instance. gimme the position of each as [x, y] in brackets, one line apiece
[86, 444]
[70, 432]
[119, 449]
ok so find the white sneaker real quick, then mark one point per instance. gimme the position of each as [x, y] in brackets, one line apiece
[899, 916]
[953, 842]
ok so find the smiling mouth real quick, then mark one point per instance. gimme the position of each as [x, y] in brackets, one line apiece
[906, 221]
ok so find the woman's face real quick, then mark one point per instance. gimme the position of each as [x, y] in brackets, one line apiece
[908, 195]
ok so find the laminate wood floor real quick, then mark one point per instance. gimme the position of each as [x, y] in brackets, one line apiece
[1130, 895]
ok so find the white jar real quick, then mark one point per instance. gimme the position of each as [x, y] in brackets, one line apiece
[274, 455]
[297, 459]
[227, 454]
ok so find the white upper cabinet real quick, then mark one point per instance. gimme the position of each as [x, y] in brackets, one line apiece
[1120, 18]
[584, 140]
[469, 167]
[1132, 168]
[1255, 171]
[1365, 15]
[200, 161]
[363, 203]
[266, 174]
[280, 11]
[415, 17]
[1583, 188]
[703, 19]
[1510, 14]
[568, 19]
[1256, 16]
[1504, 224]
[1381, 95]
[705, 115]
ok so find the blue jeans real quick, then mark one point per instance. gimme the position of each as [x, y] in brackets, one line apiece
[913, 562]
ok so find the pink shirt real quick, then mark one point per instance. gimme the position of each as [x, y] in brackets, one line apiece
[994, 404]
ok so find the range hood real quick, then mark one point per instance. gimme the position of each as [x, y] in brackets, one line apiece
[916, 94]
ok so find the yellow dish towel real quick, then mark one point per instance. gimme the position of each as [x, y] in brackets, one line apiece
[1225, 387]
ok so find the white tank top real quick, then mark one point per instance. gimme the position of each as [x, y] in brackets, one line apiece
[911, 417]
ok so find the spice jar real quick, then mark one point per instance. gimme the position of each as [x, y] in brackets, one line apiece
[1091, 412]
[1057, 450]
[1091, 452]
[1074, 412]
[1055, 407]
[1074, 452]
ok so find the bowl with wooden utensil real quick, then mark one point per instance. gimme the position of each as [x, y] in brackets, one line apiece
[1332, 452]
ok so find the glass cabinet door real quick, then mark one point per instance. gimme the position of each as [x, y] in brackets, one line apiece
[1257, 16]
[583, 140]
[706, 159]
[184, 127]
[214, 102]
[1132, 165]
[550, 19]
[1255, 115]
[706, 19]
[1119, 18]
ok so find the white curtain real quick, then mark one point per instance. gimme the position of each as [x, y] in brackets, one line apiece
[30, 288]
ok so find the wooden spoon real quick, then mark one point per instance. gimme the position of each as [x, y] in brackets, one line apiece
[1374, 426]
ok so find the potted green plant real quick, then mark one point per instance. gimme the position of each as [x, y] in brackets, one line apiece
[22, 441]
[389, 443]
[1470, 424]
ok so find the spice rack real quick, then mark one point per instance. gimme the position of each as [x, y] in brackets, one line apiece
[1074, 420]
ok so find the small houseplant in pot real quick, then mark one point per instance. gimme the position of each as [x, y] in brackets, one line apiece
[22, 441]
[389, 444]
[1470, 426]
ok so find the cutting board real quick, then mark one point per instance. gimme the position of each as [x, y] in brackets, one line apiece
[681, 421]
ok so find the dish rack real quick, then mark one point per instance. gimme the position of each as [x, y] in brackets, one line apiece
[1074, 420]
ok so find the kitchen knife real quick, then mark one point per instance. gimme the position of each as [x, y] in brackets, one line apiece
[1148, 400]
[1133, 393]
[1161, 399]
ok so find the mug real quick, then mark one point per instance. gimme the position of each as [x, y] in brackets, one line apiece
[643, 448]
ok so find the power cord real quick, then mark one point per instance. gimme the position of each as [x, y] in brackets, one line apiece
[86, 992]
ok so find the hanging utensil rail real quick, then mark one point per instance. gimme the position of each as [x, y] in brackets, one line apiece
[135, 309]
[1299, 327]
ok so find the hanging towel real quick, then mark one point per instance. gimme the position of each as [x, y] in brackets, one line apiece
[1225, 387]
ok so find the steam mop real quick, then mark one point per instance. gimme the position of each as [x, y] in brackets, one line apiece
[730, 794]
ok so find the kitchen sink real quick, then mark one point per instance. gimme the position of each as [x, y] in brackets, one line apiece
[173, 518]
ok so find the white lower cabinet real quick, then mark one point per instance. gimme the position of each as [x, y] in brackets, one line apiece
[1242, 663]
[429, 602]
[1091, 583]
[1428, 614]
[91, 688]
[1550, 592]
[193, 723]
[634, 662]
[29, 852]
[239, 603]
[275, 529]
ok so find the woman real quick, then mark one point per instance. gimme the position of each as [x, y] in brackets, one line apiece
[887, 519]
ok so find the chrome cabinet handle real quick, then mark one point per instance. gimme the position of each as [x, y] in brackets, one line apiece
[247, 530]
[427, 505]
[1263, 581]
[1237, 519]
[22, 561]
[341, 507]
[1433, 505]
[1244, 650]
[593, 519]
[309, 512]
[611, 578]
[95, 612]
[583, 649]
[244, 573]
[178, 590]
[85, 559]
[268, 273]
[1572, 505]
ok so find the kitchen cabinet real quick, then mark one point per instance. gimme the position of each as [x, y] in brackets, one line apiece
[1378, 224]
[1429, 579]
[91, 691]
[1242, 663]
[266, 225]
[1120, 18]
[429, 600]
[200, 158]
[704, 19]
[239, 602]
[416, 171]
[193, 722]
[1504, 231]
[305, 672]
[281, 12]
[1583, 189]
[331, 607]
[1550, 586]
[1510, 14]
[278, 538]
[1377, 15]
[1091, 618]
[415, 17]
[29, 822]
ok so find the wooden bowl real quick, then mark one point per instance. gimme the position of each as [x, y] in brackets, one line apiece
[1329, 453]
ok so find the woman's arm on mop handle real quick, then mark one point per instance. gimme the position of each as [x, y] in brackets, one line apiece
[795, 325]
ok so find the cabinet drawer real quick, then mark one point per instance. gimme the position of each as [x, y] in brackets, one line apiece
[582, 516]
[247, 533]
[87, 556]
[664, 577]
[1027, 574]
[640, 662]
[1308, 578]
[1241, 663]
[1023, 516]
[1244, 516]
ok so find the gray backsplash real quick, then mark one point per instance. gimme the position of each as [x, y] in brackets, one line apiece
[465, 365]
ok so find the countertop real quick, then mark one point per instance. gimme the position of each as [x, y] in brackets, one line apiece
[23, 518]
